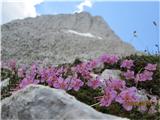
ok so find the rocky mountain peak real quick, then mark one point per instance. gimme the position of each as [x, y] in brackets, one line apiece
[81, 22]
[60, 38]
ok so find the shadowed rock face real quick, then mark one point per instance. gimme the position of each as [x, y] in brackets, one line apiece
[37, 102]
[60, 38]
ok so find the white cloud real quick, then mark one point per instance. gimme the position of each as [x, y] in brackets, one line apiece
[80, 7]
[18, 9]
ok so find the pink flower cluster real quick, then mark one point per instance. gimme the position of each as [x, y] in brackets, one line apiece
[108, 97]
[129, 74]
[94, 82]
[83, 69]
[147, 73]
[117, 91]
[127, 98]
[68, 83]
[127, 64]
[143, 76]
[151, 67]
[52, 76]
[75, 77]
[116, 84]
[29, 77]
[110, 59]
[28, 80]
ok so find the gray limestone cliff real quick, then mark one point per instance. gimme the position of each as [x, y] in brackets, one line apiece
[60, 38]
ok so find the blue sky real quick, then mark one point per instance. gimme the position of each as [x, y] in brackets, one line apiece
[122, 17]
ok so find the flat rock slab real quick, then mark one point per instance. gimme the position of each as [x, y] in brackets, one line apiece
[37, 102]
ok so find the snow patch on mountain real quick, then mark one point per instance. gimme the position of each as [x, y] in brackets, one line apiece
[83, 34]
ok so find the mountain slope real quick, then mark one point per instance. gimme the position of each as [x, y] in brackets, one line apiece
[60, 38]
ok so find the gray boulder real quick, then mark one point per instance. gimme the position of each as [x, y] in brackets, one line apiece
[61, 38]
[4, 83]
[109, 73]
[37, 102]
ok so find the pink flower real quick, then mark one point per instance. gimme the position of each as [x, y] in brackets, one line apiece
[129, 74]
[21, 72]
[50, 74]
[76, 84]
[34, 67]
[127, 64]
[151, 67]
[83, 69]
[127, 98]
[51, 79]
[33, 70]
[28, 80]
[24, 83]
[61, 83]
[116, 84]
[60, 70]
[68, 83]
[94, 83]
[43, 74]
[92, 64]
[113, 59]
[104, 58]
[108, 97]
[110, 59]
[146, 75]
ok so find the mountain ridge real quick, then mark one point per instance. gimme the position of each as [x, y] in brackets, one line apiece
[60, 38]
